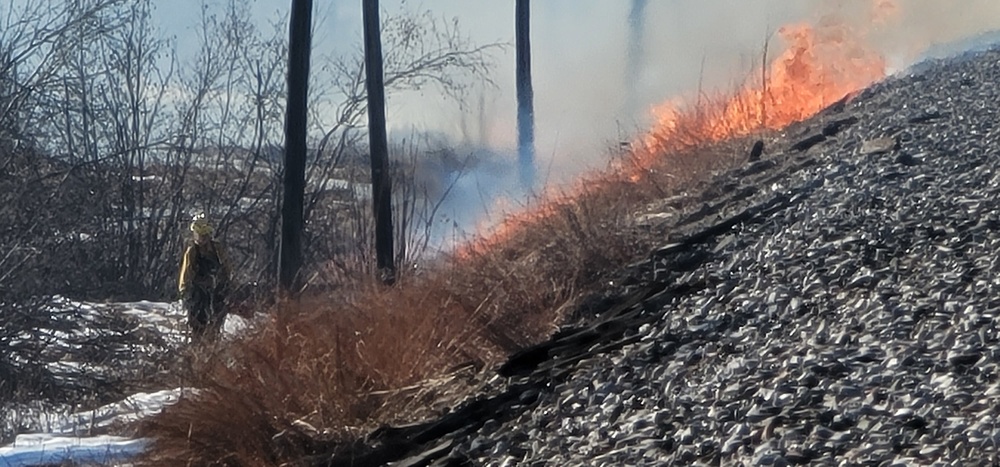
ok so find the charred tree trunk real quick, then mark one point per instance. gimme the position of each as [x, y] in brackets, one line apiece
[525, 98]
[381, 183]
[290, 256]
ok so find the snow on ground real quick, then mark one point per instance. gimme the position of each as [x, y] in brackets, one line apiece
[129, 410]
[57, 433]
[46, 449]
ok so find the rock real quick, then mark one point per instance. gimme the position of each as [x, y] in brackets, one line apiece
[907, 159]
[807, 143]
[833, 128]
[754, 168]
[879, 145]
[962, 359]
[926, 117]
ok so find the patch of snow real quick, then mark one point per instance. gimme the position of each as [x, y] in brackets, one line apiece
[129, 410]
[81, 436]
[47, 449]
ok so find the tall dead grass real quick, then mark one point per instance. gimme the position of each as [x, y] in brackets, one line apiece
[325, 370]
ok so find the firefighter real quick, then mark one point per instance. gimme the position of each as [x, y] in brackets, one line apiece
[204, 280]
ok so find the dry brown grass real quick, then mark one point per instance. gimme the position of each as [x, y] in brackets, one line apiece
[325, 370]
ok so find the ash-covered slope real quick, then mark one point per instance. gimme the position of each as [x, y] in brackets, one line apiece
[848, 316]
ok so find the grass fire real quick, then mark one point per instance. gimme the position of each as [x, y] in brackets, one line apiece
[586, 306]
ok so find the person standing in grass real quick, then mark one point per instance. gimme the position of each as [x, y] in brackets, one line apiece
[204, 282]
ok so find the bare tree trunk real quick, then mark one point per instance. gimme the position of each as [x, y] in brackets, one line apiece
[635, 53]
[381, 180]
[295, 144]
[763, 84]
[525, 98]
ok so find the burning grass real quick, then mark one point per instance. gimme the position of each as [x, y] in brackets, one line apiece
[325, 370]
[821, 64]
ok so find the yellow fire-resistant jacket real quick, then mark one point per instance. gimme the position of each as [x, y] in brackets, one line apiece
[205, 266]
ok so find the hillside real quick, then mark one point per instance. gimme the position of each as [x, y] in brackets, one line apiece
[832, 303]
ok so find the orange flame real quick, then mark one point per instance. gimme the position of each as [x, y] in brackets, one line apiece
[821, 64]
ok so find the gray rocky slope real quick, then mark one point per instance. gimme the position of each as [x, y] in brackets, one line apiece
[854, 323]
[836, 303]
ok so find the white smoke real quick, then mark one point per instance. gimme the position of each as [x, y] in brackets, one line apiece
[587, 94]
[580, 60]
[590, 93]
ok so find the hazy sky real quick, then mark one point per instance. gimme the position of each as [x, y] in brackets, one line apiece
[579, 47]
